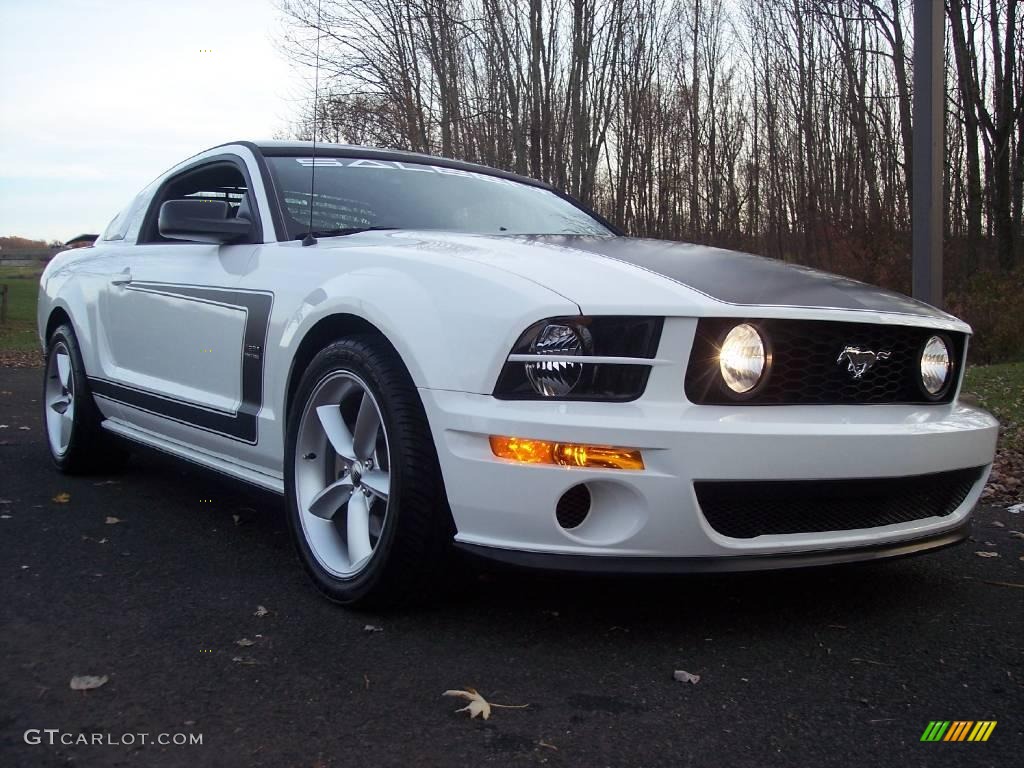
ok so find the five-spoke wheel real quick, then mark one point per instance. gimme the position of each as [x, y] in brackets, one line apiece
[366, 501]
[59, 394]
[342, 473]
[74, 432]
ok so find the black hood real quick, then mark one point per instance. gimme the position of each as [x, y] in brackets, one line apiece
[742, 278]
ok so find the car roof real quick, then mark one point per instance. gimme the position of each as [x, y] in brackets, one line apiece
[277, 148]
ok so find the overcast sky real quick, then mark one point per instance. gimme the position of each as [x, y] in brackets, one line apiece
[98, 97]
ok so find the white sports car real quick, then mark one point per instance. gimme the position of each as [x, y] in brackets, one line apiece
[416, 351]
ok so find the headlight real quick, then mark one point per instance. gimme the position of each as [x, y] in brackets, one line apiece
[935, 366]
[558, 378]
[572, 342]
[742, 358]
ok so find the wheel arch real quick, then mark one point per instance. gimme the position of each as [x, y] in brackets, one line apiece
[325, 331]
[58, 316]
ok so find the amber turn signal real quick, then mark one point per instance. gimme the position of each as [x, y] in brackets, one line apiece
[565, 454]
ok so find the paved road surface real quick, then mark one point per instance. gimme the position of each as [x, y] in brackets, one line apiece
[834, 667]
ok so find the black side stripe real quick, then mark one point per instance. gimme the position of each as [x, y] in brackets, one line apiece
[241, 424]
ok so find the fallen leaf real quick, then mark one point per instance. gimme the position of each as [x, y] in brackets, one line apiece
[5, 501]
[248, 660]
[366, 681]
[236, 518]
[1017, 534]
[3, 426]
[372, 628]
[997, 524]
[25, 429]
[113, 520]
[478, 705]
[88, 682]
[544, 744]
[1016, 509]
[987, 554]
[5, 517]
[261, 611]
[685, 677]
[61, 498]
[245, 642]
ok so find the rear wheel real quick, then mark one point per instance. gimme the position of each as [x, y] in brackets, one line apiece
[366, 501]
[74, 436]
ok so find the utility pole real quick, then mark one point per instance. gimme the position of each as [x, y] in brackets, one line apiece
[929, 149]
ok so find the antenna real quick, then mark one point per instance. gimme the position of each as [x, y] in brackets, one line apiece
[309, 239]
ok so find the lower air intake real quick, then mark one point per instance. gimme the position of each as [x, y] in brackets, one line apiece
[573, 507]
[745, 509]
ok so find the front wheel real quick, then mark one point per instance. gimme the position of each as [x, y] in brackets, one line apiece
[366, 502]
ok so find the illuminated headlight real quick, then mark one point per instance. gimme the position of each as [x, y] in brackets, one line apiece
[742, 358]
[935, 366]
[559, 377]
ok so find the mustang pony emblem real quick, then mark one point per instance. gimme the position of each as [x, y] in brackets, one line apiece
[860, 361]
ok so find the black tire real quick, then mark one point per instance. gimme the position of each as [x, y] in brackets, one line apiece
[90, 449]
[412, 552]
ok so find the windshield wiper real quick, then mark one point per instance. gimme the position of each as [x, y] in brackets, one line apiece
[341, 231]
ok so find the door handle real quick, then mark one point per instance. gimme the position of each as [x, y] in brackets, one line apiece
[124, 278]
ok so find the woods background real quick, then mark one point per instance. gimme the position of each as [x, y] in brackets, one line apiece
[780, 127]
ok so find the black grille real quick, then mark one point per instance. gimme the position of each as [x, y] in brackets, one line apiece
[805, 369]
[745, 509]
[573, 507]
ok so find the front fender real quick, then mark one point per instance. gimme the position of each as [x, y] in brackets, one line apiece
[453, 325]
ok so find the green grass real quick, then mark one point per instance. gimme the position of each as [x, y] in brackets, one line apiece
[1000, 389]
[19, 332]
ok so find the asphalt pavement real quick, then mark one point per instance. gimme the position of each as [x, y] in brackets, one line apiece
[181, 588]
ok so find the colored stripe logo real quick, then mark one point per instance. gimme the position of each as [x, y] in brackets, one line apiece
[958, 730]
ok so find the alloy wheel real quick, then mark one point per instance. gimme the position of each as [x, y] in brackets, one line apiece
[60, 399]
[342, 474]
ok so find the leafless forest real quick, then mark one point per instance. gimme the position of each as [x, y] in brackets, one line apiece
[781, 127]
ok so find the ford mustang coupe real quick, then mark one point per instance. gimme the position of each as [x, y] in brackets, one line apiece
[418, 352]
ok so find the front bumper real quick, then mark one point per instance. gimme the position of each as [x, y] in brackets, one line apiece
[654, 514]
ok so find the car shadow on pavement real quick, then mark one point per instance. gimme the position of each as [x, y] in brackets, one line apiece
[694, 604]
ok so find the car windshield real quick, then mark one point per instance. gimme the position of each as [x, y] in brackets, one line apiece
[357, 194]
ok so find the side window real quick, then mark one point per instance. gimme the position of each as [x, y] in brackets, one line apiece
[218, 180]
[116, 229]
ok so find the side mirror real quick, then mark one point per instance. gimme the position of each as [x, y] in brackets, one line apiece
[205, 221]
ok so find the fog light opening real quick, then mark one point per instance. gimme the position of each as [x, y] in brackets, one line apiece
[573, 507]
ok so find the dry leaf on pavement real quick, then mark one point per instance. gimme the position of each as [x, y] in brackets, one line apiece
[372, 628]
[245, 642]
[113, 520]
[685, 677]
[261, 611]
[62, 498]
[478, 705]
[88, 682]
[987, 554]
